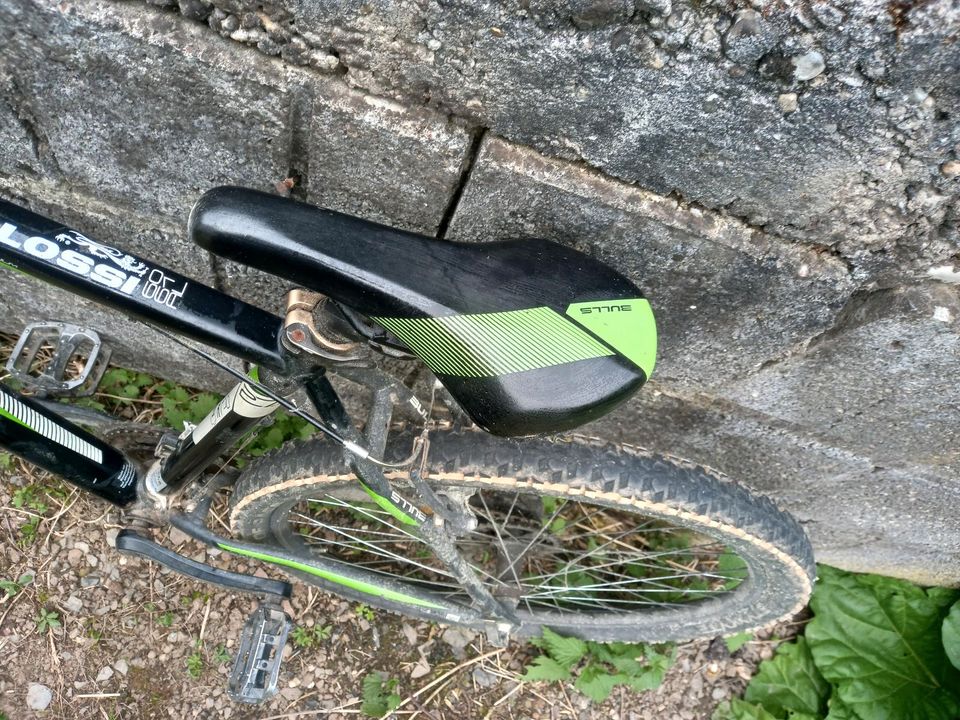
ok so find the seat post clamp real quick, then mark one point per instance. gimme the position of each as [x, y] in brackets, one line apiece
[300, 331]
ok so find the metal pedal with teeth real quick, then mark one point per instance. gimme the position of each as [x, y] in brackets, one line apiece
[55, 358]
[257, 664]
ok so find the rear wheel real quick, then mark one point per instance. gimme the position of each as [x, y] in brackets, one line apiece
[590, 539]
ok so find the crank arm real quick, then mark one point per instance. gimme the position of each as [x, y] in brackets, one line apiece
[133, 543]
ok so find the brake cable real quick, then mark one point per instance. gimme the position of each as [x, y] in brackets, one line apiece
[358, 450]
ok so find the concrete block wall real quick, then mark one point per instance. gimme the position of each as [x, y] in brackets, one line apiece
[781, 180]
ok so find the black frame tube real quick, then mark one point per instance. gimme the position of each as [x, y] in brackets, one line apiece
[47, 440]
[41, 247]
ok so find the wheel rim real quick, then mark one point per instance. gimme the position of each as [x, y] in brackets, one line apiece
[544, 555]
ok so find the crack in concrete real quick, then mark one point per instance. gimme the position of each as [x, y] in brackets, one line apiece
[844, 319]
[466, 170]
[298, 168]
[276, 35]
[291, 37]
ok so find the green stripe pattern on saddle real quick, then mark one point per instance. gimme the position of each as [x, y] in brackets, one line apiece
[492, 344]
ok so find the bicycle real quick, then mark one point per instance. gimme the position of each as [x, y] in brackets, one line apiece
[441, 514]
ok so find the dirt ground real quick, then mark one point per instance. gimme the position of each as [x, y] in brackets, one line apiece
[127, 629]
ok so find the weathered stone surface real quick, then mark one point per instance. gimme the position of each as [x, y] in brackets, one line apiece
[795, 167]
[371, 158]
[16, 147]
[144, 105]
[859, 515]
[884, 382]
[683, 97]
[382, 161]
[727, 297]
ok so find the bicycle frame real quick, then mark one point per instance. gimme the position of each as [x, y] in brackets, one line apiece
[37, 246]
[45, 439]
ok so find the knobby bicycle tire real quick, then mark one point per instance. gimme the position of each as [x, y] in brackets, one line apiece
[771, 544]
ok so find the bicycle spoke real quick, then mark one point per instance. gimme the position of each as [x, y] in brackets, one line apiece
[341, 528]
[375, 547]
[577, 557]
[503, 547]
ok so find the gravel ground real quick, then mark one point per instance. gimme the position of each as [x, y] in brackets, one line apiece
[128, 628]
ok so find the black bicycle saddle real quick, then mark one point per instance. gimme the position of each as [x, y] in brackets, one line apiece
[529, 336]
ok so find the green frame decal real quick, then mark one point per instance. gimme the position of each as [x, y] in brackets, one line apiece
[359, 585]
[387, 505]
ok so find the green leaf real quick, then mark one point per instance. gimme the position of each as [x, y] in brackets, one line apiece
[201, 405]
[950, 633]
[839, 711]
[734, 568]
[545, 668]
[628, 666]
[735, 642]
[878, 640]
[567, 651]
[377, 694]
[596, 683]
[114, 377]
[393, 702]
[648, 680]
[740, 710]
[790, 682]
[178, 394]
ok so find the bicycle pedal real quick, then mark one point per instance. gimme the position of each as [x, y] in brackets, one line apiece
[55, 358]
[257, 665]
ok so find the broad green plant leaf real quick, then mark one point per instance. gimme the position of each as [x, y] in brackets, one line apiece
[877, 640]
[648, 680]
[567, 651]
[740, 710]
[597, 684]
[838, 711]
[546, 668]
[950, 634]
[735, 642]
[789, 682]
